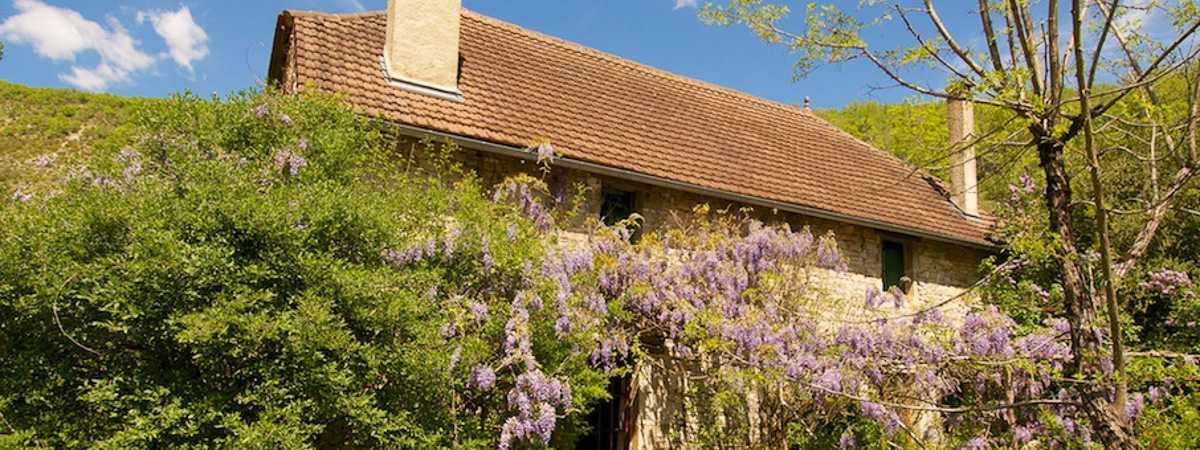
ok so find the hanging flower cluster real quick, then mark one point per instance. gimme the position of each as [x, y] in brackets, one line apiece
[1166, 281]
[520, 191]
[741, 300]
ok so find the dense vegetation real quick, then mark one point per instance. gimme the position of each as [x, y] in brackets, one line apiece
[218, 281]
[260, 272]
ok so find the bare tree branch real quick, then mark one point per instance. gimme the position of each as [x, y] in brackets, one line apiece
[989, 33]
[929, 49]
[1020, 23]
[1102, 108]
[962, 53]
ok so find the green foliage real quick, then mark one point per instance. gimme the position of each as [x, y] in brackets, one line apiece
[916, 131]
[1172, 421]
[219, 283]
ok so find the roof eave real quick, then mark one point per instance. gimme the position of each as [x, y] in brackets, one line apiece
[624, 174]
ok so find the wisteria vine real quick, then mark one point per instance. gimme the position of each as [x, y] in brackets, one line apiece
[743, 303]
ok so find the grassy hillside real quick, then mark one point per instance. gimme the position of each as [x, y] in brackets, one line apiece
[46, 132]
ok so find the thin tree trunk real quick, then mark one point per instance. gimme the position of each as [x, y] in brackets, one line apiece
[1080, 308]
[1106, 258]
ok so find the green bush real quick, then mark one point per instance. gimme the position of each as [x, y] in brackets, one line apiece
[219, 283]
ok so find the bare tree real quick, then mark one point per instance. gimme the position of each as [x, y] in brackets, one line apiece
[1024, 63]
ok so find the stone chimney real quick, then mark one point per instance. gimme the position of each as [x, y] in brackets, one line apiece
[421, 52]
[960, 115]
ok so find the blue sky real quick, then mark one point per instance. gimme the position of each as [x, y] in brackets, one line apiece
[154, 48]
[233, 46]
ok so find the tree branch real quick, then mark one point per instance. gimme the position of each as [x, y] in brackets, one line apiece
[950, 41]
[989, 33]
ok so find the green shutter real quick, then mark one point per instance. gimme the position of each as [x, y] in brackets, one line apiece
[893, 264]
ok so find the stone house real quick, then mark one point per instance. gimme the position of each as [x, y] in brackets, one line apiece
[643, 140]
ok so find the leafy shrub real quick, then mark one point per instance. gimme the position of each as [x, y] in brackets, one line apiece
[224, 281]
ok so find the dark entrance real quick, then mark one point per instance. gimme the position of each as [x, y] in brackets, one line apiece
[610, 420]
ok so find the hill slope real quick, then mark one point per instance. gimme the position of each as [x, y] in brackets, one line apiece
[44, 132]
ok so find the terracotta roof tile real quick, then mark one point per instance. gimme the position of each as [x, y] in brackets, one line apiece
[519, 85]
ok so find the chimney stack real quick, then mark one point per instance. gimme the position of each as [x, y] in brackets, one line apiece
[421, 52]
[960, 116]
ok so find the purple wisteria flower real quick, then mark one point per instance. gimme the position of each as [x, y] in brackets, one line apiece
[132, 170]
[828, 256]
[133, 163]
[43, 161]
[873, 297]
[730, 291]
[449, 331]
[1134, 406]
[977, 443]
[1027, 185]
[536, 399]
[450, 241]
[1022, 434]
[455, 356]
[1016, 193]
[409, 255]
[846, 442]
[260, 111]
[486, 250]
[482, 377]
[289, 162]
[1156, 394]
[562, 326]
[545, 153]
[1166, 281]
[286, 119]
[21, 197]
[479, 311]
[520, 194]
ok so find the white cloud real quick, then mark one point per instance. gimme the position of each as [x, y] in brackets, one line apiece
[61, 34]
[186, 41]
[685, 4]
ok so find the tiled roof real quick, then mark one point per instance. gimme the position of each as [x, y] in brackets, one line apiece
[519, 85]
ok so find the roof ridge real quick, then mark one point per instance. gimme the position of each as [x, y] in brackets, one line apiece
[635, 64]
[309, 13]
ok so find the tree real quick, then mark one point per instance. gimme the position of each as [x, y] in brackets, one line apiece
[1076, 78]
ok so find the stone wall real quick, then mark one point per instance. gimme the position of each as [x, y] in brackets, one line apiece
[939, 270]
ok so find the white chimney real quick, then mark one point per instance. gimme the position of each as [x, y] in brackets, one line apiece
[960, 116]
[421, 52]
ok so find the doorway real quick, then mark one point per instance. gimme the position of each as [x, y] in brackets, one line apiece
[611, 420]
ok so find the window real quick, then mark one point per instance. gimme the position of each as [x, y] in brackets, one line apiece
[893, 265]
[616, 205]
